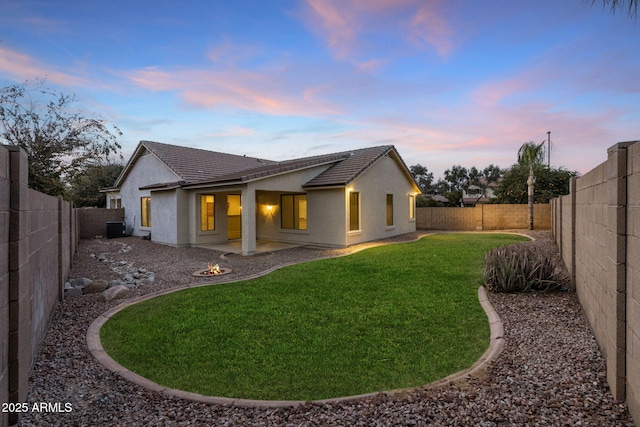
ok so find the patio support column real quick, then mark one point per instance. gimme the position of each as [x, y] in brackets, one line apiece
[248, 220]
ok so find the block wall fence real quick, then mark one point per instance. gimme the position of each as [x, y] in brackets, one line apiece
[37, 243]
[597, 228]
[38, 239]
[484, 217]
[92, 221]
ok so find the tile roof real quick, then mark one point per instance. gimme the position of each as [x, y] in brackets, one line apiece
[196, 167]
[345, 167]
[193, 164]
[353, 164]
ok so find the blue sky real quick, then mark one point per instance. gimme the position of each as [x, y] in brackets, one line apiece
[446, 82]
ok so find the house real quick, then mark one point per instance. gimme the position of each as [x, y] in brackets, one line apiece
[185, 196]
[481, 192]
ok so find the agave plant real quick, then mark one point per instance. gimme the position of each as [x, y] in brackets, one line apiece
[519, 268]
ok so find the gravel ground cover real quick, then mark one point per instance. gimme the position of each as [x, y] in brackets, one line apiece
[550, 372]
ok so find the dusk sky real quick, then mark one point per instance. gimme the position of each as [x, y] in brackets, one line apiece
[446, 82]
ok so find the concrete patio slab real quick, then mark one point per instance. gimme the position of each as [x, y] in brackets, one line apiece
[262, 246]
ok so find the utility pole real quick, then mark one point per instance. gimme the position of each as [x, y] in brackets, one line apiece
[549, 149]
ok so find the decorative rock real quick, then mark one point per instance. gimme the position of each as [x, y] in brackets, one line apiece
[148, 280]
[95, 287]
[73, 292]
[116, 292]
[81, 282]
[114, 283]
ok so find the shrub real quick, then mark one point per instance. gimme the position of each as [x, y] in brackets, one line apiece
[520, 268]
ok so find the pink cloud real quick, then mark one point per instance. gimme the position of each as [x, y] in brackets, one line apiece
[154, 79]
[476, 135]
[24, 67]
[263, 92]
[492, 93]
[429, 26]
[337, 26]
[233, 131]
[340, 24]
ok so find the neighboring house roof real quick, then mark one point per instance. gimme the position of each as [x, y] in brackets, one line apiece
[195, 167]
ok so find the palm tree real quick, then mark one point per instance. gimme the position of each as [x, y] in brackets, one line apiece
[632, 8]
[531, 154]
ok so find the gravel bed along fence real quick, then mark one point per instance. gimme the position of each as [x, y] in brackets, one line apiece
[550, 371]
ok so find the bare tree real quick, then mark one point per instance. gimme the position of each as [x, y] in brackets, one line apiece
[59, 141]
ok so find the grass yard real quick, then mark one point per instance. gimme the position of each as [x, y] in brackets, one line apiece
[388, 317]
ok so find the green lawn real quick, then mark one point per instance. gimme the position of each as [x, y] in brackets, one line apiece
[388, 317]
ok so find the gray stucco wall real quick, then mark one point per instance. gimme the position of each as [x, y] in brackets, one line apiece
[147, 170]
[383, 178]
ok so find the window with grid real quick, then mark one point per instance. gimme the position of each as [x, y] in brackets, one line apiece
[207, 216]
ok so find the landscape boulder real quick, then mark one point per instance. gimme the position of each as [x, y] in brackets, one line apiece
[115, 292]
[95, 287]
[80, 282]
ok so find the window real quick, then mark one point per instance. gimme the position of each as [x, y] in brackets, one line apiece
[145, 211]
[412, 207]
[293, 214]
[389, 210]
[115, 203]
[474, 190]
[207, 212]
[354, 211]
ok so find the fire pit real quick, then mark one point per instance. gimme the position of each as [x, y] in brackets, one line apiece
[213, 270]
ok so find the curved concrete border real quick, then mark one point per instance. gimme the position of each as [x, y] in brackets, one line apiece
[477, 370]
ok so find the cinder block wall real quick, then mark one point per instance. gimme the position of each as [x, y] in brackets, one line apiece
[92, 222]
[633, 280]
[4, 281]
[483, 217]
[68, 232]
[38, 242]
[599, 235]
[463, 219]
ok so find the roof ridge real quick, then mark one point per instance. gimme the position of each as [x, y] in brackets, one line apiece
[197, 166]
[192, 164]
[184, 147]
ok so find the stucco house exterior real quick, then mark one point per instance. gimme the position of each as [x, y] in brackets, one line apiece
[185, 196]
